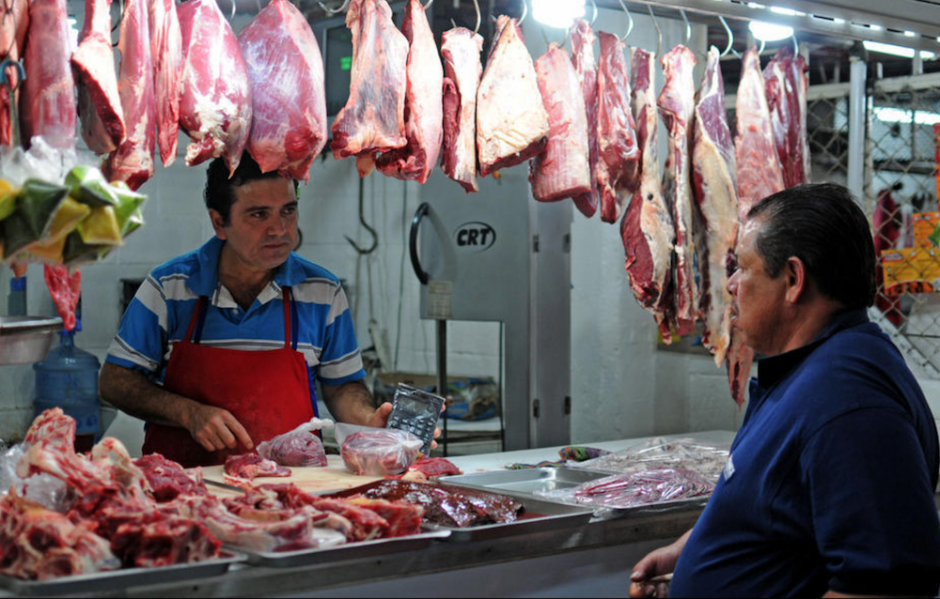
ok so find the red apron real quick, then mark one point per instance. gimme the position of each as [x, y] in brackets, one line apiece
[268, 392]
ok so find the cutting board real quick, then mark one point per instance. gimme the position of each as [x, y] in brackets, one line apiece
[335, 477]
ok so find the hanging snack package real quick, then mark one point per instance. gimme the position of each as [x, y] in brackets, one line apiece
[299, 447]
[377, 451]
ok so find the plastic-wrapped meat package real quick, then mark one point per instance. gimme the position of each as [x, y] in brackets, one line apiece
[704, 458]
[377, 451]
[299, 447]
[657, 485]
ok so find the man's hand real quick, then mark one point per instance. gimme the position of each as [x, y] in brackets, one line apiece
[660, 562]
[215, 428]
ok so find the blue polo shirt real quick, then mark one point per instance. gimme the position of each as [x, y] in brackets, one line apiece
[830, 482]
[160, 312]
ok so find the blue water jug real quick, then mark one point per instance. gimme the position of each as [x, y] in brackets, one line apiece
[68, 378]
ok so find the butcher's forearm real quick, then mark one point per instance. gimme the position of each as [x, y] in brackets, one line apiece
[132, 392]
[350, 402]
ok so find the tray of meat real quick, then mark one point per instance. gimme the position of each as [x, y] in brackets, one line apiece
[473, 515]
[529, 480]
[113, 580]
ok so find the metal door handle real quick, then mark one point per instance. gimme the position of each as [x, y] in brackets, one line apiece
[422, 211]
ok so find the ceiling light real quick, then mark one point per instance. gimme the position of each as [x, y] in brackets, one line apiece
[787, 11]
[910, 33]
[895, 50]
[557, 13]
[769, 32]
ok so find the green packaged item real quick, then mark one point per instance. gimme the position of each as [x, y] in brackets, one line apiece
[38, 202]
[77, 252]
[87, 185]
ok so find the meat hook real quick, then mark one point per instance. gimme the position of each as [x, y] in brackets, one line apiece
[233, 10]
[594, 3]
[659, 32]
[8, 10]
[730, 33]
[525, 12]
[688, 27]
[796, 45]
[428, 5]
[629, 16]
[11, 89]
[763, 44]
[362, 221]
[476, 5]
[331, 11]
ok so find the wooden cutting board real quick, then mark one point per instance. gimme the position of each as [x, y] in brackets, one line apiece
[335, 477]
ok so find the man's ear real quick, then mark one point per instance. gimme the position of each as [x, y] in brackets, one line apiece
[796, 279]
[218, 223]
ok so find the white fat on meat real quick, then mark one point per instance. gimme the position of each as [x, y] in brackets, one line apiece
[461, 49]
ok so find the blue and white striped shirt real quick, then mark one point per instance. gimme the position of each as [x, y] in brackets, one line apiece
[160, 312]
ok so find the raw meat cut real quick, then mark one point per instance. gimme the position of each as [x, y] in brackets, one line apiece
[65, 289]
[512, 124]
[647, 228]
[676, 105]
[380, 452]
[249, 466]
[215, 89]
[758, 168]
[299, 447]
[132, 161]
[717, 199]
[288, 123]
[403, 519]
[168, 540]
[618, 153]
[423, 103]
[562, 170]
[582, 56]
[166, 51]
[14, 21]
[785, 83]
[99, 105]
[47, 105]
[373, 119]
[461, 49]
[434, 467]
[168, 479]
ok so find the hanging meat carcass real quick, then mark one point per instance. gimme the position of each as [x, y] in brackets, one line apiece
[132, 161]
[676, 105]
[373, 119]
[14, 21]
[512, 125]
[562, 170]
[423, 103]
[166, 50]
[99, 104]
[582, 55]
[461, 49]
[288, 123]
[215, 89]
[647, 229]
[48, 101]
[785, 82]
[715, 193]
[618, 154]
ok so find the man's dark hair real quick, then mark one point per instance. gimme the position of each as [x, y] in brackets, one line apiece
[823, 226]
[219, 193]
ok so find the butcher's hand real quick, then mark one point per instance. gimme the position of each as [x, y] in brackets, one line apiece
[656, 564]
[379, 419]
[215, 428]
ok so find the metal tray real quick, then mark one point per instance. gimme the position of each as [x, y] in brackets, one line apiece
[118, 579]
[26, 339]
[362, 549]
[530, 480]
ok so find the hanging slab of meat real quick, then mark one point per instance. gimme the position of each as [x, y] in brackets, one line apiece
[424, 111]
[215, 89]
[65, 289]
[512, 124]
[132, 161]
[717, 199]
[48, 101]
[785, 83]
[582, 56]
[373, 119]
[759, 172]
[562, 170]
[647, 229]
[676, 105]
[14, 21]
[288, 122]
[461, 49]
[166, 50]
[99, 104]
[618, 159]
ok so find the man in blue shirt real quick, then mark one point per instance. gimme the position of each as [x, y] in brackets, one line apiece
[829, 488]
[220, 348]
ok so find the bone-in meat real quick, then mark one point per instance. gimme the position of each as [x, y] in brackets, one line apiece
[373, 119]
[785, 81]
[166, 49]
[512, 124]
[461, 49]
[562, 170]
[251, 465]
[582, 56]
[618, 153]
[423, 103]
[716, 196]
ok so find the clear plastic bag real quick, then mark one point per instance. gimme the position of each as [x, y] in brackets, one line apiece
[654, 486]
[377, 451]
[299, 447]
[44, 489]
[705, 458]
[8, 460]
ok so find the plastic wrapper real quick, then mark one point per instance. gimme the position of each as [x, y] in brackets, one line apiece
[704, 458]
[44, 489]
[377, 451]
[654, 486]
[299, 447]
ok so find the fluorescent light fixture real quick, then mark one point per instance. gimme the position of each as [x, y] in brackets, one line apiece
[557, 13]
[887, 114]
[838, 21]
[909, 33]
[755, 5]
[787, 11]
[874, 27]
[895, 50]
[769, 32]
